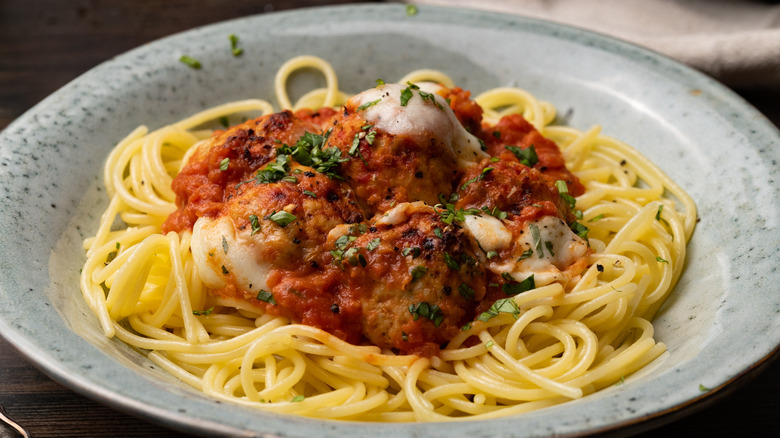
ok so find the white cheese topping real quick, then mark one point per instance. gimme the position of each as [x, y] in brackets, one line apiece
[489, 231]
[419, 117]
[208, 252]
[547, 267]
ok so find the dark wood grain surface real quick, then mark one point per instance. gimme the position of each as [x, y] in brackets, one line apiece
[46, 43]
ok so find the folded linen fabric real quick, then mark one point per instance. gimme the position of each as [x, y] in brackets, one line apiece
[735, 41]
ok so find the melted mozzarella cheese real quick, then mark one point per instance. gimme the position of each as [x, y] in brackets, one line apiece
[401, 212]
[546, 267]
[419, 116]
[213, 255]
[489, 231]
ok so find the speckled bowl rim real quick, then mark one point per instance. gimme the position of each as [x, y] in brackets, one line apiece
[36, 329]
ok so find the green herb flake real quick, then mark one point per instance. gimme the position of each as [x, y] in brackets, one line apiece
[497, 134]
[266, 296]
[466, 291]
[658, 213]
[255, 222]
[579, 229]
[206, 312]
[190, 61]
[537, 240]
[415, 251]
[504, 305]
[661, 260]
[437, 232]
[379, 82]
[479, 177]
[282, 218]
[234, 49]
[451, 262]
[224, 121]
[310, 193]
[703, 388]
[428, 311]
[526, 156]
[406, 94]
[549, 246]
[368, 104]
[298, 398]
[224, 244]
[527, 253]
[512, 287]
[224, 270]
[489, 344]
[411, 10]
[373, 244]
[491, 254]
[622, 381]
[596, 218]
[418, 272]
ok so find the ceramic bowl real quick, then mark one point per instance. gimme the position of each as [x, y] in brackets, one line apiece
[720, 321]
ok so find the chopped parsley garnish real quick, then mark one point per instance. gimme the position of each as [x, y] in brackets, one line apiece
[234, 49]
[527, 253]
[596, 218]
[489, 344]
[549, 246]
[413, 250]
[224, 270]
[373, 244]
[504, 305]
[658, 213]
[282, 218]
[379, 82]
[368, 104]
[190, 61]
[526, 156]
[224, 121]
[429, 96]
[703, 388]
[407, 93]
[310, 193]
[491, 254]
[255, 222]
[449, 214]
[512, 287]
[298, 398]
[451, 262]
[273, 171]
[266, 296]
[495, 212]
[429, 311]
[661, 260]
[224, 245]
[418, 272]
[411, 10]
[579, 229]
[537, 240]
[497, 134]
[466, 291]
[563, 192]
[309, 151]
[479, 177]
[370, 136]
[203, 312]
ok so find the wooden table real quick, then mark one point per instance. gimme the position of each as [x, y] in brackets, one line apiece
[46, 43]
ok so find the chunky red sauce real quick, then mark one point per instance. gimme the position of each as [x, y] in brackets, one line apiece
[339, 265]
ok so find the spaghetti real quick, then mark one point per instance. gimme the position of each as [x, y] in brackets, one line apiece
[550, 344]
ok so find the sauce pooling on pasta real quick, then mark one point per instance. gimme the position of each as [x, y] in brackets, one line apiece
[394, 221]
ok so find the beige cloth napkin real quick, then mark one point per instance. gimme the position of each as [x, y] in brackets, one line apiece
[735, 41]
